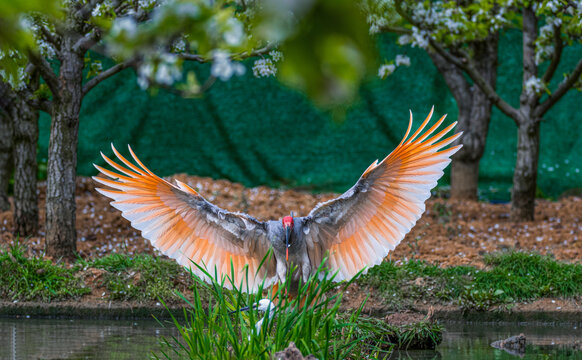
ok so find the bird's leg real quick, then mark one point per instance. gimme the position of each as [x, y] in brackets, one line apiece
[305, 269]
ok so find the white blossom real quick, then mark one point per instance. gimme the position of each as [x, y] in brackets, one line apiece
[223, 68]
[235, 33]
[534, 86]
[276, 55]
[125, 25]
[180, 45]
[404, 40]
[264, 68]
[168, 71]
[385, 70]
[419, 38]
[162, 70]
[402, 60]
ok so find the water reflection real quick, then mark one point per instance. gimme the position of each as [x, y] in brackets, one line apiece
[99, 339]
[80, 339]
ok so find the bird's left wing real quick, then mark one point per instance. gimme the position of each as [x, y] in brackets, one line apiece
[183, 225]
[359, 228]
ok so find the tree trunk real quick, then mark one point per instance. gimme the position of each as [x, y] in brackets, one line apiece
[25, 170]
[61, 234]
[528, 129]
[474, 115]
[5, 159]
[526, 171]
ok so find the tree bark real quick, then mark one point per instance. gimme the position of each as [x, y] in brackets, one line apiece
[5, 159]
[25, 168]
[526, 171]
[474, 115]
[61, 234]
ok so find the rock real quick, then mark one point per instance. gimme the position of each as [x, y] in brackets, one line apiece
[514, 345]
[292, 353]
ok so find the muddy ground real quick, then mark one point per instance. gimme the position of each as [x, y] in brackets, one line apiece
[449, 233]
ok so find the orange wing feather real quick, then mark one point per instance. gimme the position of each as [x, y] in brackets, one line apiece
[358, 229]
[183, 225]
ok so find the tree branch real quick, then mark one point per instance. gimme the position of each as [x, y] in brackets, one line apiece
[87, 42]
[559, 45]
[45, 71]
[240, 56]
[562, 89]
[469, 68]
[94, 81]
[453, 75]
[50, 37]
[395, 30]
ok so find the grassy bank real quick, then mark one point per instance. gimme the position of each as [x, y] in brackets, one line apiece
[507, 278]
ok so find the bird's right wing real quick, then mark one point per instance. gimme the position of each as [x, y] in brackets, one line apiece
[183, 225]
[359, 228]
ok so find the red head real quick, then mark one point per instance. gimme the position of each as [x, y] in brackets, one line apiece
[288, 226]
[288, 221]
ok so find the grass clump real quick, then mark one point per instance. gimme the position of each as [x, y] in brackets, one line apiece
[141, 277]
[525, 276]
[212, 331]
[23, 278]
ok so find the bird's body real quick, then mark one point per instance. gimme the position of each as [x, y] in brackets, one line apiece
[354, 231]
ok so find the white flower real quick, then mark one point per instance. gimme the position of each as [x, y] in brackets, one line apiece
[264, 68]
[223, 68]
[276, 55]
[126, 25]
[168, 71]
[144, 73]
[534, 86]
[419, 38]
[404, 40]
[385, 70]
[402, 60]
[179, 45]
[235, 34]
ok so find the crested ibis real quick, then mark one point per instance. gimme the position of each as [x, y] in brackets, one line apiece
[355, 231]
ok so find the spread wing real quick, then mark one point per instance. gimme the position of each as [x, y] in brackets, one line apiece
[183, 225]
[361, 226]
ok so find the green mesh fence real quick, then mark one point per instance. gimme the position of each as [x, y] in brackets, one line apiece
[255, 131]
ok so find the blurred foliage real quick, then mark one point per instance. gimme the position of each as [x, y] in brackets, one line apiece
[16, 34]
[327, 50]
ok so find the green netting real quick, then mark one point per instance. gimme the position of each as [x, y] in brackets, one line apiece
[254, 131]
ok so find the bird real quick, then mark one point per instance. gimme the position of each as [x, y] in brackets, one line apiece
[346, 235]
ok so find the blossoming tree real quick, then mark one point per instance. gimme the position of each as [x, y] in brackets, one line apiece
[548, 27]
[473, 105]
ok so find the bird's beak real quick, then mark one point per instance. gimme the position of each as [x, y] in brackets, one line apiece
[287, 234]
[241, 309]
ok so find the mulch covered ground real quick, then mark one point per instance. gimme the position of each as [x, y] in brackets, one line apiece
[449, 233]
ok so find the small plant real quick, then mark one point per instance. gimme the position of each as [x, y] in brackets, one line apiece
[311, 320]
[481, 300]
[443, 212]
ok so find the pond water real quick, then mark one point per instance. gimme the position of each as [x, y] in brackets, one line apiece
[123, 339]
